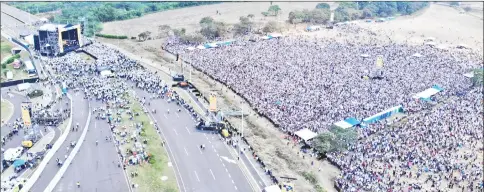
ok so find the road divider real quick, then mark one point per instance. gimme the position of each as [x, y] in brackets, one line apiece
[69, 159]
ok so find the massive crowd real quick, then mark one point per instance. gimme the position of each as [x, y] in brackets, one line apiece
[301, 83]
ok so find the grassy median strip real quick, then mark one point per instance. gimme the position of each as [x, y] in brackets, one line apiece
[155, 175]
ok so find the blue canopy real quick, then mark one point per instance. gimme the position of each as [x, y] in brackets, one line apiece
[18, 163]
[352, 121]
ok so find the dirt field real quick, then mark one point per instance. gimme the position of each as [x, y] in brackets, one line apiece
[188, 18]
[444, 23]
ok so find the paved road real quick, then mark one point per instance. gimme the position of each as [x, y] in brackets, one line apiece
[212, 169]
[95, 167]
[80, 110]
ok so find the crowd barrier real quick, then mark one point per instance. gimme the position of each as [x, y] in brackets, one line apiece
[16, 82]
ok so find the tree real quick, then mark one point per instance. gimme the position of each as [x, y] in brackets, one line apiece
[164, 30]
[336, 139]
[251, 16]
[274, 9]
[179, 32]
[322, 142]
[320, 16]
[270, 27]
[322, 6]
[206, 21]
[245, 26]
[467, 8]
[144, 35]
[454, 3]
[477, 79]
[265, 13]
[214, 30]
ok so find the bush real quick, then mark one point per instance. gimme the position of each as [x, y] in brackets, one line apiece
[35, 93]
[10, 60]
[322, 6]
[4, 65]
[111, 36]
[270, 27]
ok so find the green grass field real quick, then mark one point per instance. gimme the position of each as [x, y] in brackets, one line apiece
[149, 175]
[5, 53]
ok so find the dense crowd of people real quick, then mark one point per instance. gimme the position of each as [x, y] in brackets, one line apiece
[301, 83]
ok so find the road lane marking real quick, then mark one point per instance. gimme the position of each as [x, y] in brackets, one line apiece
[235, 187]
[188, 130]
[177, 115]
[197, 176]
[230, 176]
[233, 181]
[200, 150]
[223, 164]
[175, 132]
[212, 174]
[165, 116]
[226, 170]
[185, 150]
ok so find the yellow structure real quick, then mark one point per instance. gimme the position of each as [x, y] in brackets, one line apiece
[26, 116]
[213, 103]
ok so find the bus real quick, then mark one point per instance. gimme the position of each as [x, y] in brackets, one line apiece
[26, 115]
[64, 88]
[29, 67]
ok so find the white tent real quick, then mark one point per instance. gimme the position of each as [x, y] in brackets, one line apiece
[365, 55]
[469, 75]
[272, 188]
[430, 43]
[305, 134]
[191, 48]
[23, 86]
[275, 35]
[12, 153]
[201, 47]
[417, 55]
[9, 75]
[343, 124]
[106, 73]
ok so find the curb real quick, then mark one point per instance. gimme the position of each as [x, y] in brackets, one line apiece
[35, 176]
[69, 159]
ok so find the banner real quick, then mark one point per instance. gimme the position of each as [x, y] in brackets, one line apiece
[379, 61]
[26, 115]
[213, 103]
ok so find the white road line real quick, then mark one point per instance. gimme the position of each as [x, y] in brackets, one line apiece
[230, 176]
[41, 133]
[199, 150]
[196, 175]
[188, 130]
[212, 174]
[177, 115]
[226, 170]
[175, 132]
[223, 164]
[185, 150]
[233, 182]
[165, 116]
[209, 142]
[235, 187]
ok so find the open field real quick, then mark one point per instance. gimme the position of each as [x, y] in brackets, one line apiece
[189, 18]
[149, 175]
[444, 23]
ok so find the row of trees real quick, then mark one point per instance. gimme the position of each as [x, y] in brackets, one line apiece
[347, 11]
[98, 12]
[336, 139]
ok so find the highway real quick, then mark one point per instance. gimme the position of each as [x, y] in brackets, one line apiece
[95, 167]
[212, 169]
[80, 113]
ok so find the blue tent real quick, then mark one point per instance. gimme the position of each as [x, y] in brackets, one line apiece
[18, 163]
[353, 121]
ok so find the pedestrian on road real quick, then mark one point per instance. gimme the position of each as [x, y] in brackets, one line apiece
[78, 184]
